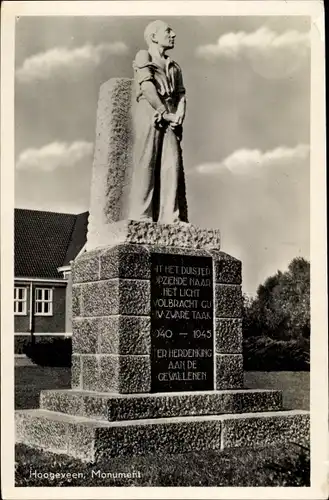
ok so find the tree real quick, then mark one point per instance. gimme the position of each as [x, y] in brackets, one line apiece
[293, 297]
[276, 323]
[281, 309]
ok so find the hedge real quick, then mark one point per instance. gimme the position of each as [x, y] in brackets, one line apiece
[56, 352]
[266, 354]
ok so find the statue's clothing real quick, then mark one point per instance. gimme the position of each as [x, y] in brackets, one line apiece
[158, 184]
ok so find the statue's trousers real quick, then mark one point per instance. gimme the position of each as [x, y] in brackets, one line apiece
[158, 169]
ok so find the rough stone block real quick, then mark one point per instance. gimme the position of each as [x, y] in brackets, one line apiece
[111, 335]
[227, 269]
[139, 406]
[76, 373]
[125, 335]
[181, 235]
[68, 401]
[80, 441]
[41, 431]
[229, 336]
[100, 298]
[111, 173]
[108, 376]
[229, 371]
[135, 297]
[125, 261]
[86, 267]
[169, 435]
[95, 440]
[94, 407]
[79, 403]
[192, 404]
[57, 433]
[116, 296]
[228, 301]
[259, 400]
[85, 335]
[135, 374]
[116, 373]
[76, 300]
[107, 329]
[90, 372]
[189, 404]
[261, 429]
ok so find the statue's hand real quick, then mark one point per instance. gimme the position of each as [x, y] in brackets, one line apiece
[169, 118]
[179, 118]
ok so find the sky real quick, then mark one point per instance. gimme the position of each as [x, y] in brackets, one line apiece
[246, 132]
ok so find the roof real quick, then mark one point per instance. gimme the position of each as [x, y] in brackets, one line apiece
[78, 237]
[45, 241]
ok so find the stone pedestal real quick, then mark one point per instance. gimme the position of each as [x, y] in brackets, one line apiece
[121, 403]
[112, 309]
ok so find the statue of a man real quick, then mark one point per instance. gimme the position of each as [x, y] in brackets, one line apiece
[158, 185]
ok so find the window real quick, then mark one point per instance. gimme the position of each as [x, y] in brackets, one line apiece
[20, 294]
[43, 301]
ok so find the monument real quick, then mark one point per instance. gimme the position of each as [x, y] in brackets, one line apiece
[157, 360]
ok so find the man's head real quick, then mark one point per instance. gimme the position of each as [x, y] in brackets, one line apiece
[158, 32]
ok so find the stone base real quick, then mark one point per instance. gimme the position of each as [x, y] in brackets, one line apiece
[95, 440]
[114, 407]
[111, 307]
[183, 235]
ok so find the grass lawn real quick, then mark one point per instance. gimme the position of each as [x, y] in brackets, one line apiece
[295, 386]
[272, 466]
[30, 380]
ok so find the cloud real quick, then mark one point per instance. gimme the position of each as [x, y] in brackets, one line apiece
[234, 45]
[260, 201]
[243, 161]
[62, 61]
[54, 155]
[270, 53]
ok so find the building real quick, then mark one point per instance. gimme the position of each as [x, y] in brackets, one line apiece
[45, 244]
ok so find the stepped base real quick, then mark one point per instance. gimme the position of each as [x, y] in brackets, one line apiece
[114, 407]
[95, 440]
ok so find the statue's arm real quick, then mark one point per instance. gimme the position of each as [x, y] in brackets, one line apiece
[181, 110]
[180, 89]
[152, 96]
[142, 66]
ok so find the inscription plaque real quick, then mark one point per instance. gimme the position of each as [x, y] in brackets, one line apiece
[182, 331]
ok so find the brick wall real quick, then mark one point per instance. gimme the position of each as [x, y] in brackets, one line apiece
[45, 324]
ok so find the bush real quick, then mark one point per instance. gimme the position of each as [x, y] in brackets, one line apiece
[20, 343]
[56, 352]
[266, 354]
